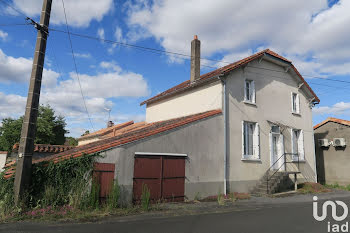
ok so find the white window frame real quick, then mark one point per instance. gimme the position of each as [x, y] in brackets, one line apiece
[256, 142]
[295, 110]
[300, 141]
[252, 89]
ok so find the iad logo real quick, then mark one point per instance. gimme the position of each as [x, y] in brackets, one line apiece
[332, 227]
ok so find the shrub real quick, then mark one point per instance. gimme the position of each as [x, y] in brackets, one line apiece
[93, 198]
[113, 196]
[6, 196]
[220, 198]
[197, 197]
[145, 197]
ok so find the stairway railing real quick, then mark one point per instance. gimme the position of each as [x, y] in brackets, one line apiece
[285, 162]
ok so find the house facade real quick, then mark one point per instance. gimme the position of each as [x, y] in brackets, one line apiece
[217, 132]
[332, 152]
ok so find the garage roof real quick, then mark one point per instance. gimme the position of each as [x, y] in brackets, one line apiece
[133, 135]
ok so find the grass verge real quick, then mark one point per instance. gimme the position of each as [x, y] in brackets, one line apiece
[310, 187]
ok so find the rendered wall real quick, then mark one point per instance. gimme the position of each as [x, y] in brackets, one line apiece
[333, 162]
[197, 100]
[273, 103]
[202, 141]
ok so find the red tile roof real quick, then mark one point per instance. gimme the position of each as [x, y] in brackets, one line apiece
[133, 134]
[213, 75]
[332, 119]
[46, 148]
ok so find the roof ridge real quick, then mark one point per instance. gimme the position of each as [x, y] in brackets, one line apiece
[204, 78]
[333, 119]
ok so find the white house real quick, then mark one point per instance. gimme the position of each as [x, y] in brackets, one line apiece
[227, 130]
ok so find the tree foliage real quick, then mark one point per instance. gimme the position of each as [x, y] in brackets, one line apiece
[50, 129]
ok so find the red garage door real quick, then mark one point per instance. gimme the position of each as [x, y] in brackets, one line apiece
[163, 175]
[103, 174]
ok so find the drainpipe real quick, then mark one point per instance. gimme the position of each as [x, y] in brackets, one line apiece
[225, 113]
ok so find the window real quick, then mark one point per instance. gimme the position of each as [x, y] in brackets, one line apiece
[295, 103]
[297, 144]
[249, 91]
[250, 138]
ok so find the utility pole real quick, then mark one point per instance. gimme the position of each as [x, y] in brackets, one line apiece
[23, 175]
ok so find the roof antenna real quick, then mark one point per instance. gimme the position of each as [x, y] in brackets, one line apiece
[109, 116]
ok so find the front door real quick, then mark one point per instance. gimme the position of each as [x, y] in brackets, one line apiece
[276, 149]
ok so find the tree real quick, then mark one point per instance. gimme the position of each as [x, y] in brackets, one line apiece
[50, 129]
[70, 141]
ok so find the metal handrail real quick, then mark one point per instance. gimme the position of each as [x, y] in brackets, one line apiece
[283, 164]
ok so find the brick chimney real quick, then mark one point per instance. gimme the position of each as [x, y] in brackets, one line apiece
[195, 59]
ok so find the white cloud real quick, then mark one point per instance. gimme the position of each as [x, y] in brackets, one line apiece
[101, 33]
[18, 70]
[110, 66]
[3, 35]
[308, 31]
[336, 109]
[82, 55]
[118, 35]
[11, 105]
[66, 99]
[79, 12]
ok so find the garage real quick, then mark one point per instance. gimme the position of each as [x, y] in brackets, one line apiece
[103, 174]
[164, 175]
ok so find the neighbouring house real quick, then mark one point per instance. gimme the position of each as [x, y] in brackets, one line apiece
[3, 157]
[332, 152]
[229, 130]
[42, 150]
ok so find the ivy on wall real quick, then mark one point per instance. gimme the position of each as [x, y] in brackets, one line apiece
[55, 184]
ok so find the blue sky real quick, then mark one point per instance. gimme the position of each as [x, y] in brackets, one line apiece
[310, 33]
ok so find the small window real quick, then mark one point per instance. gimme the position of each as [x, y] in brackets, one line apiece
[249, 91]
[295, 103]
[250, 137]
[297, 144]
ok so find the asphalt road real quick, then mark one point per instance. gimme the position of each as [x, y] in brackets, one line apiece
[273, 218]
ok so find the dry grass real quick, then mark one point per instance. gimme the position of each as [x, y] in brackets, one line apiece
[309, 187]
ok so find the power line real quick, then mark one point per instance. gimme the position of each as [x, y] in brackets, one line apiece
[75, 65]
[14, 24]
[160, 51]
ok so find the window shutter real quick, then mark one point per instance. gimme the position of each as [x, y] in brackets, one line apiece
[256, 141]
[297, 104]
[245, 89]
[282, 151]
[253, 91]
[271, 149]
[243, 139]
[292, 143]
[301, 145]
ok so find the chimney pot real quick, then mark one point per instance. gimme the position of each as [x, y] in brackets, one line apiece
[195, 59]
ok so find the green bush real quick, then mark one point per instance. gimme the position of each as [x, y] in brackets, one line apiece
[54, 184]
[220, 198]
[145, 197]
[6, 196]
[113, 196]
[91, 199]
